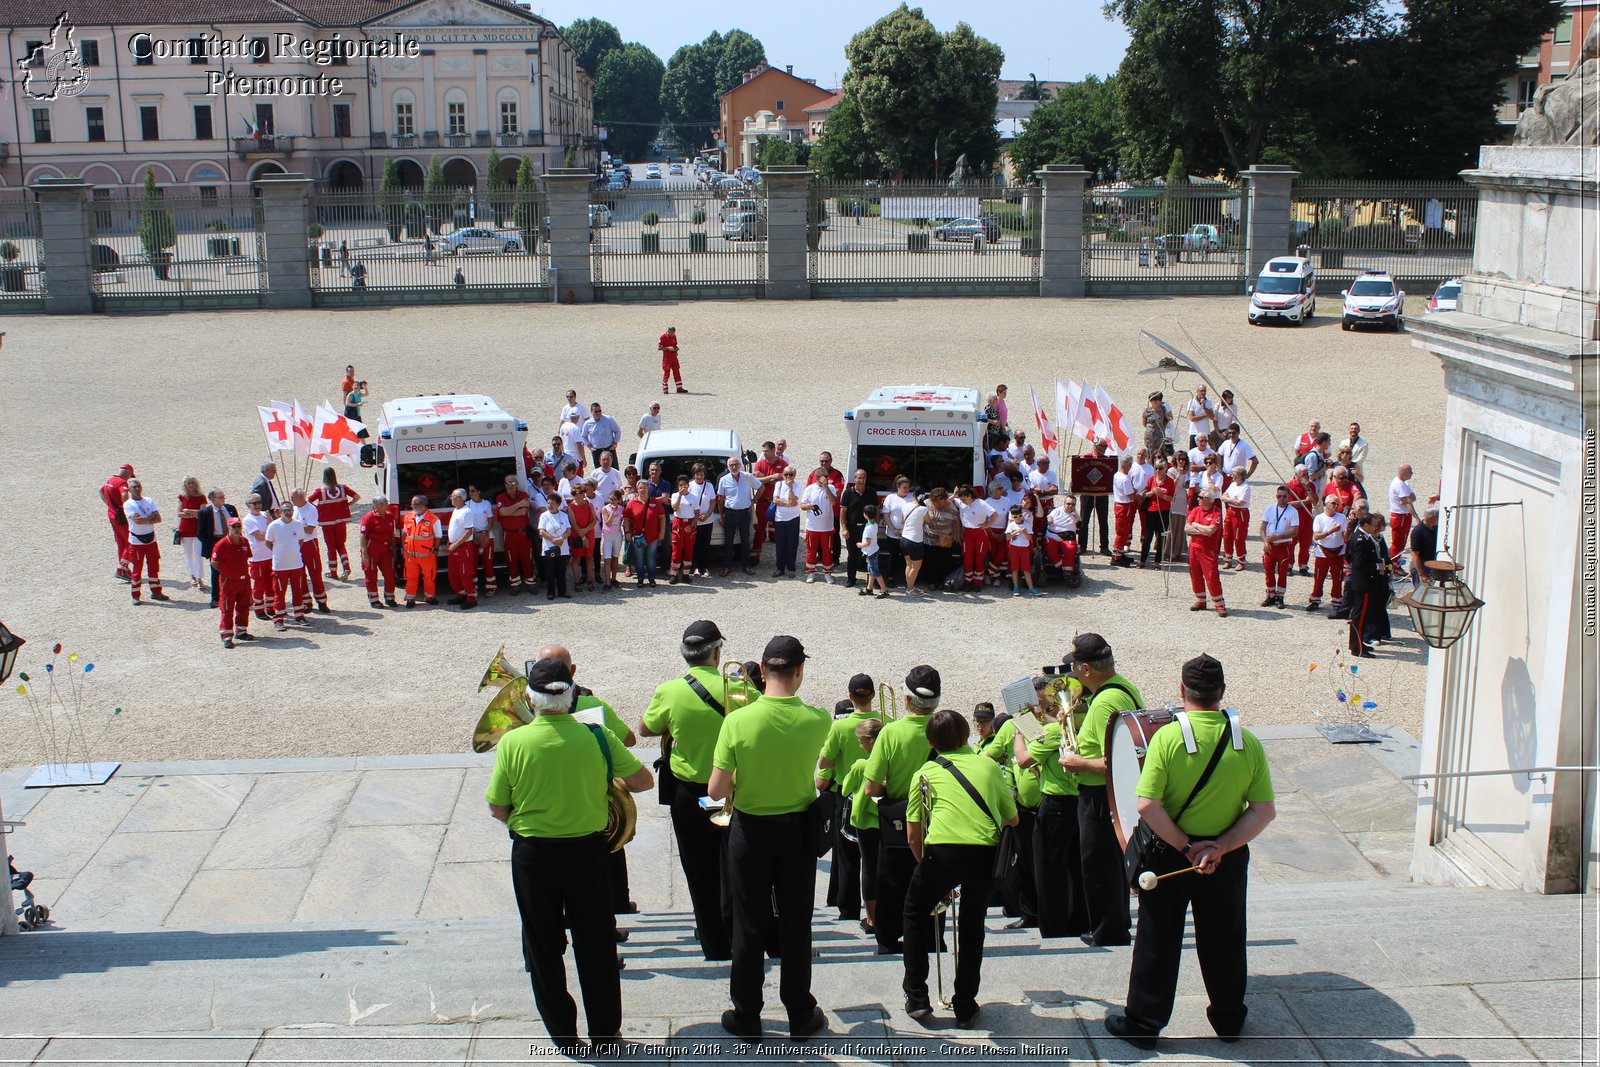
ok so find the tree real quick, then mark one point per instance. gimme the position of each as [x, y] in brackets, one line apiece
[1032, 90]
[157, 233]
[740, 52]
[1172, 217]
[688, 92]
[496, 184]
[592, 39]
[1082, 125]
[627, 99]
[435, 193]
[844, 152]
[525, 210]
[391, 193]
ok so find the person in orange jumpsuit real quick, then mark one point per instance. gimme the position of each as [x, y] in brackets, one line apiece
[420, 534]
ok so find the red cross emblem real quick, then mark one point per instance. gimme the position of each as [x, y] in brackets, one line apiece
[277, 426]
[335, 431]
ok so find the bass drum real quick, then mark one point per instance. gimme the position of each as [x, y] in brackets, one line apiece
[1127, 737]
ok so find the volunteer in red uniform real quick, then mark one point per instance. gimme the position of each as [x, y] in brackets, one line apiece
[230, 558]
[1204, 529]
[308, 516]
[1280, 525]
[769, 472]
[143, 552]
[375, 539]
[115, 493]
[976, 513]
[420, 534]
[826, 469]
[1125, 501]
[255, 523]
[463, 566]
[286, 536]
[684, 521]
[333, 502]
[1342, 489]
[511, 512]
[1303, 495]
[1236, 500]
[668, 344]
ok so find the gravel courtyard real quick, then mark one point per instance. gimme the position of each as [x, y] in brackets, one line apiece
[175, 395]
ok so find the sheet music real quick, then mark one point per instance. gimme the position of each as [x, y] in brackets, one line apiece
[1017, 695]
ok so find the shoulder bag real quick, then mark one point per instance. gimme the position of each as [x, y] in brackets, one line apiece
[1007, 857]
[1145, 846]
[892, 818]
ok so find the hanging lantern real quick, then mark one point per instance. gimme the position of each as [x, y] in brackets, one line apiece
[1442, 609]
[9, 643]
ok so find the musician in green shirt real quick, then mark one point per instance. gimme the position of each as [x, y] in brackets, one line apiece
[863, 820]
[839, 752]
[902, 748]
[1023, 907]
[1058, 869]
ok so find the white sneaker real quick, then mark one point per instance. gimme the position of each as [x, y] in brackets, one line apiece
[810, 578]
[827, 577]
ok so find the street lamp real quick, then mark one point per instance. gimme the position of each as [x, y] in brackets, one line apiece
[1443, 607]
[9, 644]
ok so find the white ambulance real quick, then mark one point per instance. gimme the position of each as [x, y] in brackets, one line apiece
[932, 434]
[433, 445]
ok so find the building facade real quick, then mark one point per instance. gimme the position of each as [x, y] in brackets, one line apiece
[210, 97]
[764, 89]
[1552, 61]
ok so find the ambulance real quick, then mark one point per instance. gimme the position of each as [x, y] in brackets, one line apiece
[932, 434]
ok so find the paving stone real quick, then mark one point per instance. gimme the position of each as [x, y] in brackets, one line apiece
[1550, 1017]
[372, 872]
[134, 881]
[474, 836]
[67, 826]
[1365, 1025]
[469, 890]
[227, 897]
[192, 802]
[286, 821]
[1271, 1035]
[90, 999]
[404, 797]
[208, 1048]
[368, 1044]
[20, 1049]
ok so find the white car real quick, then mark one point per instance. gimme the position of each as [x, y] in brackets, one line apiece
[652, 171]
[676, 168]
[599, 216]
[478, 239]
[1374, 299]
[1286, 289]
[1446, 298]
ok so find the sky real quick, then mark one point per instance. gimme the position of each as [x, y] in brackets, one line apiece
[1057, 40]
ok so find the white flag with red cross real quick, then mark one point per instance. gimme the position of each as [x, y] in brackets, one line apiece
[336, 437]
[1116, 423]
[1090, 417]
[277, 425]
[302, 433]
[1047, 436]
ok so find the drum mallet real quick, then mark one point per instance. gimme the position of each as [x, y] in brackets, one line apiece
[1148, 879]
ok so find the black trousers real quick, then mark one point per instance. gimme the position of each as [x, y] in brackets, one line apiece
[1025, 903]
[1218, 901]
[894, 878]
[868, 845]
[702, 546]
[555, 574]
[844, 873]
[1104, 889]
[1059, 869]
[559, 881]
[735, 527]
[855, 562]
[767, 856]
[1092, 508]
[621, 894]
[700, 853]
[944, 867]
[1152, 531]
[891, 563]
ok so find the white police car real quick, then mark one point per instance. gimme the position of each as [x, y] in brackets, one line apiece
[1374, 299]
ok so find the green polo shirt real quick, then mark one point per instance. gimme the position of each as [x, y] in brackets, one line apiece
[1170, 772]
[863, 812]
[1054, 779]
[1023, 781]
[772, 745]
[677, 710]
[901, 748]
[607, 716]
[841, 746]
[955, 818]
[1105, 703]
[553, 775]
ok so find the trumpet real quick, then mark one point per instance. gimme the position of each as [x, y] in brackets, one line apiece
[888, 702]
[1069, 733]
[500, 672]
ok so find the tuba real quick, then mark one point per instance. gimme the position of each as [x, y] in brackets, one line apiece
[888, 702]
[622, 816]
[499, 672]
[508, 710]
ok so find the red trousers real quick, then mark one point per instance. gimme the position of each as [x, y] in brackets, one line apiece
[486, 563]
[233, 598]
[119, 532]
[819, 549]
[764, 528]
[144, 558]
[974, 556]
[1235, 528]
[1203, 574]
[1329, 566]
[669, 368]
[1055, 552]
[260, 583]
[682, 546]
[1275, 560]
[289, 590]
[1399, 535]
[997, 552]
[1020, 558]
[463, 570]
[311, 554]
[1122, 515]
[379, 564]
[1302, 541]
[336, 536]
[519, 558]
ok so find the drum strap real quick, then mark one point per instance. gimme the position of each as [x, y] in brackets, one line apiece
[1188, 732]
[1237, 731]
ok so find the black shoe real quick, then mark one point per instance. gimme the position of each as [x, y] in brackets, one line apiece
[652, 583]
[628, 908]
[685, 579]
[740, 1027]
[919, 1008]
[453, 600]
[469, 604]
[263, 616]
[1138, 1037]
[433, 600]
[411, 604]
[867, 928]
[1227, 1032]
[1343, 615]
[244, 637]
[849, 583]
[1281, 604]
[809, 1025]
[227, 642]
[373, 603]
[1304, 572]
[967, 1016]
[1313, 607]
[549, 596]
[213, 605]
[1271, 601]
[393, 603]
[160, 596]
[890, 950]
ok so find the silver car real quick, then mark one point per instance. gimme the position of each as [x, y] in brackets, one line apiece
[478, 239]
[745, 226]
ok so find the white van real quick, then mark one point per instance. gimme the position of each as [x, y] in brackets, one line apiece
[679, 450]
[1287, 289]
[932, 434]
[433, 445]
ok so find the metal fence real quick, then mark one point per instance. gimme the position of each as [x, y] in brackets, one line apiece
[1187, 238]
[923, 238]
[1420, 232]
[463, 244]
[22, 279]
[663, 240]
[177, 251]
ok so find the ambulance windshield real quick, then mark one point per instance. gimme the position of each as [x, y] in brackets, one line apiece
[926, 467]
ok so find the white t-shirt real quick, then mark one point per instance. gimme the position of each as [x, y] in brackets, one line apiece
[139, 513]
[605, 482]
[1401, 497]
[1061, 521]
[894, 513]
[1197, 463]
[571, 438]
[565, 487]
[737, 490]
[460, 523]
[976, 515]
[816, 505]
[1122, 488]
[1237, 495]
[1226, 416]
[573, 413]
[785, 512]
[1002, 511]
[915, 524]
[286, 538]
[252, 525]
[1335, 541]
[1236, 454]
[1012, 498]
[1141, 475]
[703, 495]
[1199, 415]
[481, 513]
[649, 423]
[1204, 481]
[1014, 452]
[869, 539]
[1280, 521]
[1044, 482]
[1018, 534]
[682, 506]
[556, 524]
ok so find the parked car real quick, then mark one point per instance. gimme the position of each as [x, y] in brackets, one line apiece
[745, 226]
[967, 230]
[1287, 289]
[676, 168]
[1374, 299]
[653, 172]
[478, 239]
[737, 207]
[1445, 298]
[599, 216]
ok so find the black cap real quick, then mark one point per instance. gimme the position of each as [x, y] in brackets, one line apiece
[783, 652]
[842, 708]
[549, 676]
[701, 635]
[923, 682]
[983, 711]
[1203, 673]
[1087, 647]
[861, 683]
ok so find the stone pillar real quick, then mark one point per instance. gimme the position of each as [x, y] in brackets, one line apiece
[1061, 229]
[1269, 224]
[65, 235]
[285, 216]
[788, 277]
[567, 199]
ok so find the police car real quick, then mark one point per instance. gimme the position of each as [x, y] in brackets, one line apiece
[1374, 299]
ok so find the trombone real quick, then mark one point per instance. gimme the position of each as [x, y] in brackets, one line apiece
[888, 702]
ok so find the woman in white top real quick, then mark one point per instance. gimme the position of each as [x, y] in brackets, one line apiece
[1235, 522]
[1227, 415]
[554, 531]
[785, 524]
[913, 540]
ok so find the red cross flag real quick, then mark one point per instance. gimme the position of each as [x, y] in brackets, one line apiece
[302, 433]
[1116, 424]
[336, 437]
[275, 424]
[1090, 417]
[1047, 436]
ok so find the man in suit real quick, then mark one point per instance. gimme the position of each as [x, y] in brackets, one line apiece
[265, 489]
[213, 522]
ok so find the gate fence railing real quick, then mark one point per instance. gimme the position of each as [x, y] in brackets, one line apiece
[1151, 233]
[1420, 232]
[183, 250]
[683, 238]
[22, 275]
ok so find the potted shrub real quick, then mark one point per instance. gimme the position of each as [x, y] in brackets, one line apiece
[697, 237]
[217, 247]
[391, 194]
[497, 187]
[650, 240]
[525, 208]
[918, 240]
[13, 279]
[157, 233]
[314, 232]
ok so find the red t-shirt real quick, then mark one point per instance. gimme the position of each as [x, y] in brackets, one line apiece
[762, 468]
[514, 521]
[231, 560]
[377, 532]
[1300, 497]
[115, 492]
[1208, 545]
[1168, 485]
[668, 344]
[1345, 494]
[190, 527]
[331, 509]
[644, 518]
[581, 512]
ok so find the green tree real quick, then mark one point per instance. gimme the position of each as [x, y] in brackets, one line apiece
[1082, 125]
[496, 184]
[157, 233]
[1032, 90]
[525, 209]
[1173, 216]
[844, 152]
[592, 39]
[740, 52]
[689, 92]
[391, 195]
[627, 99]
[435, 193]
